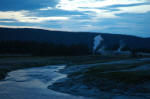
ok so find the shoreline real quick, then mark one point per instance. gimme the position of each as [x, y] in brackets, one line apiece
[11, 63]
[8, 65]
[77, 84]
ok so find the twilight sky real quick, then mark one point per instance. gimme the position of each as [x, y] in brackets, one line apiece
[130, 17]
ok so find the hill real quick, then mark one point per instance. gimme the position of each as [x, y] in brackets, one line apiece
[69, 38]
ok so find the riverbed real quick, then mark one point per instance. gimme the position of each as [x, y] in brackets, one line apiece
[32, 83]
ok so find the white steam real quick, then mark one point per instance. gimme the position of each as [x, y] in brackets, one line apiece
[97, 41]
[122, 45]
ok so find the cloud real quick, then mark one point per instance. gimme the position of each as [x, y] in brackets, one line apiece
[26, 16]
[134, 9]
[16, 5]
[92, 28]
[99, 13]
[76, 4]
[7, 26]
[32, 27]
[7, 21]
[98, 8]
[47, 8]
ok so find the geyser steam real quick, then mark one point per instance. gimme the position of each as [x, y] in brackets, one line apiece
[122, 45]
[97, 41]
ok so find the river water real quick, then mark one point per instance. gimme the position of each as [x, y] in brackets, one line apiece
[32, 84]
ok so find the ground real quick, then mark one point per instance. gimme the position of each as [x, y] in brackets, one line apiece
[92, 75]
[9, 63]
[128, 77]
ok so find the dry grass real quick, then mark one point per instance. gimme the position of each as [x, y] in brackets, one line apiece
[116, 72]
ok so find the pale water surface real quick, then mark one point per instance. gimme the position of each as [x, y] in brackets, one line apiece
[32, 84]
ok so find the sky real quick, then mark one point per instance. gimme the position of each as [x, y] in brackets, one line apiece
[130, 17]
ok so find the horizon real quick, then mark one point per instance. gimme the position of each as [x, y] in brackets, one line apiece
[44, 29]
[127, 17]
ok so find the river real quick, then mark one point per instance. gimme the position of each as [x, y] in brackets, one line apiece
[32, 83]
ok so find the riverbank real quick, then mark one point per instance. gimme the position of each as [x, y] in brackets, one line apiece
[32, 83]
[123, 79]
[10, 63]
[93, 75]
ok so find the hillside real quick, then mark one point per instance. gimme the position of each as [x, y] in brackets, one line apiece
[69, 38]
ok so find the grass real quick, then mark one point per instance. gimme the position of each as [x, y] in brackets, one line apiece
[27, 62]
[115, 76]
[93, 59]
[20, 62]
[122, 81]
[129, 77]
[113, 72]
[104, 77]
[116, 67]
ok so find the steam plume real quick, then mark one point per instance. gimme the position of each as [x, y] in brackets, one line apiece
[97, 41]
[122, 45]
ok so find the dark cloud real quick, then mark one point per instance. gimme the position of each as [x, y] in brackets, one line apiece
[6, 5]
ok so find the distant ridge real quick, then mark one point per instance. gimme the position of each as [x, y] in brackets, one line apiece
[68, 38]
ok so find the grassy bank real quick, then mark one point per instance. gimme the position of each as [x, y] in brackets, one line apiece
[125, 77]
[120, 72]
[9, 63]
[13, 63]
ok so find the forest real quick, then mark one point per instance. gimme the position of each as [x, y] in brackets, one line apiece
[34, 48]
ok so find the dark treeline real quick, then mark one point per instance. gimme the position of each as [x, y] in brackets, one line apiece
[42, 49]
[115, 47]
